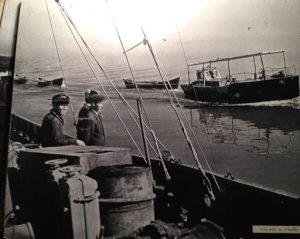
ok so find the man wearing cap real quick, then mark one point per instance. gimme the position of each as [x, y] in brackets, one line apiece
[51, 132]
[83, 112]
[90, 127]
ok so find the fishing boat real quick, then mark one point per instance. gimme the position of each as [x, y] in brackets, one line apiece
[173, 83]
[265, 85]
[41, 82]
[76, 192]
[20, 79]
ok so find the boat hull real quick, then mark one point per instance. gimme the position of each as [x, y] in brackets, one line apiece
[152, 84]
[20, 80]
[55, 82]
[238, 206]
[245, 92]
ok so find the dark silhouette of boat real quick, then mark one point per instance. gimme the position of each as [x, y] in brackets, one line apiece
[210, 86]
[20, 79]
[152, 84]
[44, 82]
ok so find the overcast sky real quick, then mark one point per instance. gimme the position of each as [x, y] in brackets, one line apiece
[196, 20]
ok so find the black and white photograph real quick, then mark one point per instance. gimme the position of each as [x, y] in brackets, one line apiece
[133, 119]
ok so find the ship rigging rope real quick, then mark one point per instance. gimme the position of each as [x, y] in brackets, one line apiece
[118, 92]
[145, 41]
[172, 103]
[190, 127]
[189, 142]
[120, 95]
[65, 14]
[183, 50]
[59, 59]
[139, 94]
[193, 133]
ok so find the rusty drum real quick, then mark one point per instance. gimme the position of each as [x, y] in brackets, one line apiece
[126, 200]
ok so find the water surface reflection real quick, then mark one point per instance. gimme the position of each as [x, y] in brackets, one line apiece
[259, 144]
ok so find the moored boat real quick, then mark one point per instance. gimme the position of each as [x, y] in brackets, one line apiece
[45, 82]
[210, 86]
[20, 79]
[174, 83]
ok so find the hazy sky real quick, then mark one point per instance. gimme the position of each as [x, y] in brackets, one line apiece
[196, 20]
[7, 26]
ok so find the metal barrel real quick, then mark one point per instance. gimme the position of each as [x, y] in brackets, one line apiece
[126, 200]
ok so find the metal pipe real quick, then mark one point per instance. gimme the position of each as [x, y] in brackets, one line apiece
[255, 74]
[285, 69]
[189, 75]
[236, 57]
[229, 73]
[263, 67]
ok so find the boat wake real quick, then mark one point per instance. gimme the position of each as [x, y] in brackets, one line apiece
[292, 103]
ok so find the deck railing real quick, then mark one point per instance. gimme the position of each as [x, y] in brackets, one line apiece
[24, 130]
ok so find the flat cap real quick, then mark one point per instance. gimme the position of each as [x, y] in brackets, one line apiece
[92, 96]
[88, 94]
[61, 99]
[96, 98]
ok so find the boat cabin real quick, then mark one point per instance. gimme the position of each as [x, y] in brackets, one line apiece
[209, 76]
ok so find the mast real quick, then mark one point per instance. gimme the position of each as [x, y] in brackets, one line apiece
[7, 64]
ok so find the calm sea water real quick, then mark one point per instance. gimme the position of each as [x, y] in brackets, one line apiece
[258, 143]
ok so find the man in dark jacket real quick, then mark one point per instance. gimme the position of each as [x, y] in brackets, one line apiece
[51, 132]
[90, 127]
[83, 112]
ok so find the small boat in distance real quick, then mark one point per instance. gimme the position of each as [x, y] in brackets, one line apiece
[44, 82]
[265, 85]
[20, 79]
[152, 84]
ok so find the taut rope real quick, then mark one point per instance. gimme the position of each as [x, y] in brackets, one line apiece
[64, 13]
[59, 59]
[139, 94]
[63, 10]
[189, 142]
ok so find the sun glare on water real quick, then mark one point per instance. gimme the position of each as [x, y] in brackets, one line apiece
[157, 17]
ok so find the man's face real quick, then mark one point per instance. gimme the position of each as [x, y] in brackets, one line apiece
[98, 106]
[62, 109]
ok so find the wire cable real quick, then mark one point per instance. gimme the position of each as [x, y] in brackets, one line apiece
[63, 11]
[60, 63]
